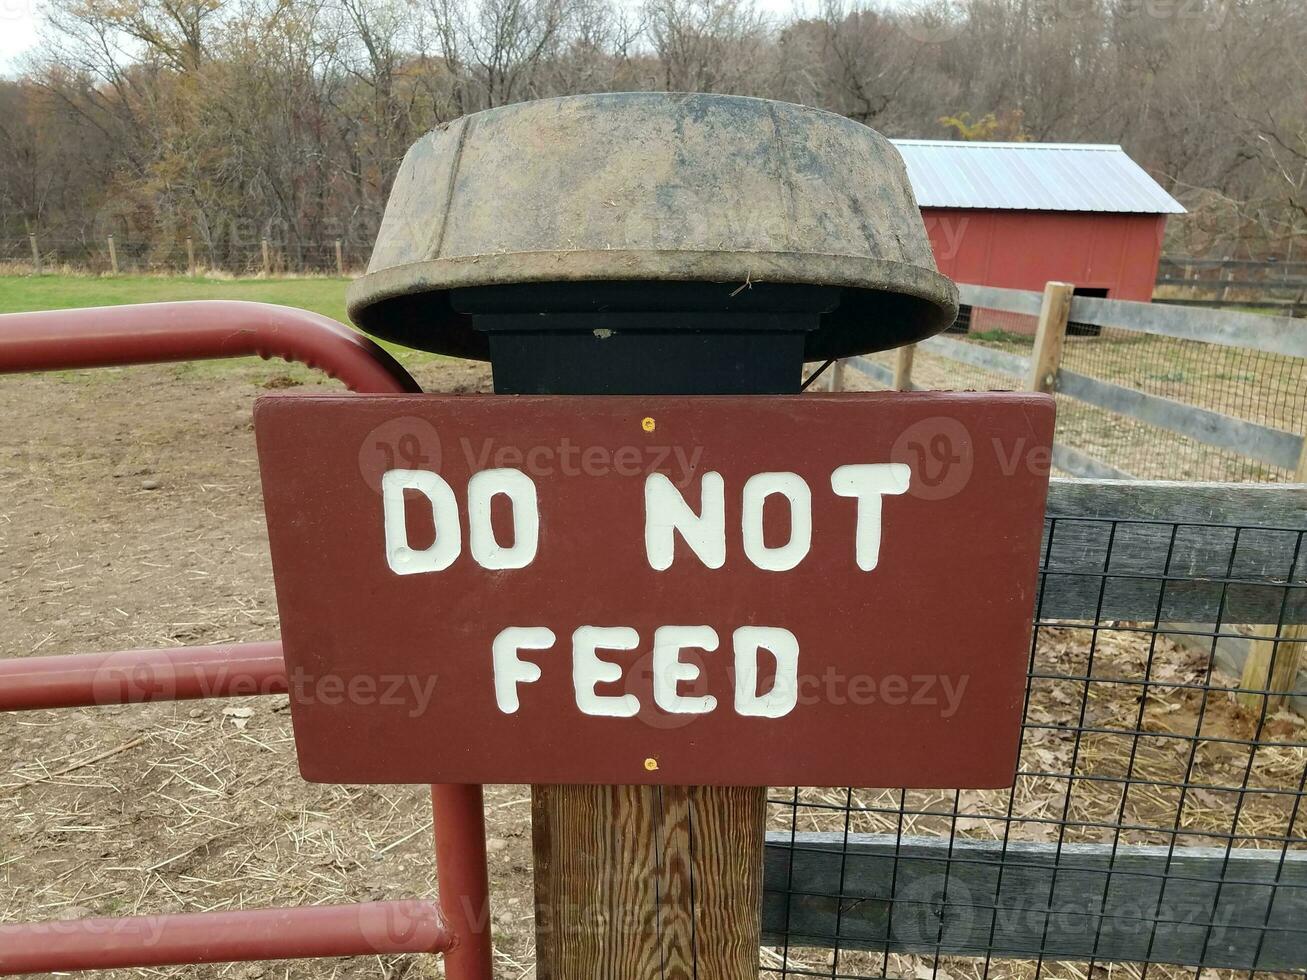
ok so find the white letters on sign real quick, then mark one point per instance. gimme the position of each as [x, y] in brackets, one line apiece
[784, 694]
[756, 491]
[669, 669]
[667, 516]
[444, 512]
[666, 513]
[588, 670]
[518, 488]
[751, 644]
[868, 483]
[511, 671]
[481, 491]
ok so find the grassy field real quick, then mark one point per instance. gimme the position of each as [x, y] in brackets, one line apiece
[19, 294]
[320, 294]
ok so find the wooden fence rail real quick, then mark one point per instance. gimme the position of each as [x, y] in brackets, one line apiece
[1055, 309]
[1173, 551]
[1242, 910]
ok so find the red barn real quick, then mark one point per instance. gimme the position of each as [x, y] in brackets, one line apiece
[1019, 214]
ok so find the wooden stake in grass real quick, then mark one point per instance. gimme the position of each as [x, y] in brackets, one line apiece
[267, 259]
[903, 358]
[36, 254]
[1272, 666]
[190, 256]
[113, 256]
[340, 260]
[1049, 336]
[836, 382]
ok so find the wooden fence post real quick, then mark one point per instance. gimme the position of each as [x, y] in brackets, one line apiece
[113, 256]
[36, 254]
[340, 260]
[1049, 336]
[836, 381]
[267, 259]
[903, 358]
[1272, 665]
[190, 256]
[647, 882]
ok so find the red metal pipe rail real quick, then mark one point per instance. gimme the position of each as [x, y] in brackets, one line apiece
[464, 878]
[161, 332]
[133, 676]
[224, 937]
[152, 333]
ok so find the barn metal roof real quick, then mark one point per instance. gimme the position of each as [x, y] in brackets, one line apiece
[1031, 177]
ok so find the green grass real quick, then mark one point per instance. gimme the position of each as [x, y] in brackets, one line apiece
[20, 294]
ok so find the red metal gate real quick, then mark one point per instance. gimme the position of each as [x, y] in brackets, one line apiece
[458, 924]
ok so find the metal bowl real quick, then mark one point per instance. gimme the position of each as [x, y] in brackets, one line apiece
[654, 188]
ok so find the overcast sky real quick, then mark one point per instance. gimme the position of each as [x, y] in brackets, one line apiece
[19, 20]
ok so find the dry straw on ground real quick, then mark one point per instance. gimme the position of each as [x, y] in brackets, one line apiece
[130, 517]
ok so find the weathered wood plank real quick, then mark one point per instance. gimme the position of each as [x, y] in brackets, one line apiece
[1275, 505]
[1080, 464]
[1244, 911]
[1260, 442]
[994, 298]
[1254, 331]
[875, 371]
[987, 358]
[1171, 558]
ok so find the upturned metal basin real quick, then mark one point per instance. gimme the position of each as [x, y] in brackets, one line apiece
[658, 189]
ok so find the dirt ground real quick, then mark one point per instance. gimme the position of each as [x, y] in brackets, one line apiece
[130, 516]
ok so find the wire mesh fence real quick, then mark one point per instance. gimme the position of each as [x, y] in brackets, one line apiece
[1255, 386]
[245, 258]
[1156, 825]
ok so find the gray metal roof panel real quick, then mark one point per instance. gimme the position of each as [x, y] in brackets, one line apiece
[1031, 177]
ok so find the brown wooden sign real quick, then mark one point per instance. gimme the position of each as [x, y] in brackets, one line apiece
[815, 590]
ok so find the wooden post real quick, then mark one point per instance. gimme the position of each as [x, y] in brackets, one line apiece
[903, 358]
[36, 254]
[267, 259]
[1049, 336]
[1273, 666]
[648, 882]
[340, 260]
[190, 256]
[836, 381]
[113, 256]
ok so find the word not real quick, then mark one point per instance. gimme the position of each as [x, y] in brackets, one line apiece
[589, 670]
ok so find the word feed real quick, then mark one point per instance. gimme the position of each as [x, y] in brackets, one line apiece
[589, 670]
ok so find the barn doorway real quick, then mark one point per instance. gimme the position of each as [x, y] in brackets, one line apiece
[1074, 329]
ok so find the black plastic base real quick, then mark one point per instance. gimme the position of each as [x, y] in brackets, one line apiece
[645, 363]
[646, 338]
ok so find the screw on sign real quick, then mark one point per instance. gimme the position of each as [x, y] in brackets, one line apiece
[742, 629]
